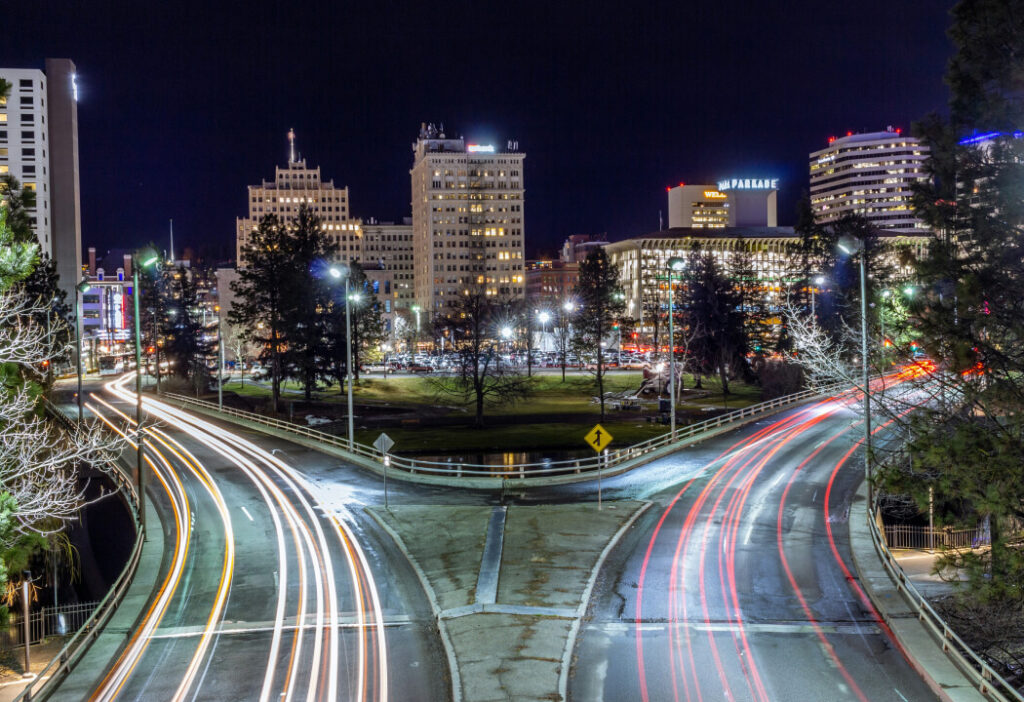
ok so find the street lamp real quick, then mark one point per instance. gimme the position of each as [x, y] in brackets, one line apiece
[820, 280]
[337, 273]
[620, 296]
[851, 245]
[220, 363]
[543, 317]
[675, 265]
[148, 258]
[79, 290]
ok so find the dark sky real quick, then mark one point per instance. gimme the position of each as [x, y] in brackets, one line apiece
[183, 104]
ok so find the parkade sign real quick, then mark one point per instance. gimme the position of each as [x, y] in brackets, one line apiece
[749, 184]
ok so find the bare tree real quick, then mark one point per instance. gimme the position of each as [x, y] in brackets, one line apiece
[480, 377]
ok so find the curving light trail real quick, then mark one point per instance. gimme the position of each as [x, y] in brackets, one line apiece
[706, 548]
[316, 655]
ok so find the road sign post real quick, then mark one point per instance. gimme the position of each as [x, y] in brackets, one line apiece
[384, 444]
[598, 439]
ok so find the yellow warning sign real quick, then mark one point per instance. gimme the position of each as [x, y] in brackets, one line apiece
[598, 438]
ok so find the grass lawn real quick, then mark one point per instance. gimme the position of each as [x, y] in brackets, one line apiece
[550, 395]
[567, 407]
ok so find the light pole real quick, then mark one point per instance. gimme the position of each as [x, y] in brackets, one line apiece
[543, 318]
[148, 259]
[568, 307]
[620, 296]
[820, 280]
[220, 364]
[506, 334]
[881, 314]
[851, 245]
[675, 264]
[336, 273]
[79, 291]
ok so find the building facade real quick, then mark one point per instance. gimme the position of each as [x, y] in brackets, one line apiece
[293, 186]
[869, 174]
[774, 254]
[39, 147]
[550, 284]
[387, 258]
[733, 202]
[467, 220]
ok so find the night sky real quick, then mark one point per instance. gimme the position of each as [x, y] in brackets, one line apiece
[184, 104]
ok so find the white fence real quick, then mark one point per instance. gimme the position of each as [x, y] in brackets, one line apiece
[523, 470]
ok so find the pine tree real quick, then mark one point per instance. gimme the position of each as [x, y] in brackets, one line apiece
[600, 304]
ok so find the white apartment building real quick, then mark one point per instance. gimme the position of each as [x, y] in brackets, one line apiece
[39, 147]
[467, 220]
[293, 186]
[871, 175]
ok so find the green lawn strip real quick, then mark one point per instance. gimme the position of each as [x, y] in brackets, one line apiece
[510, 437]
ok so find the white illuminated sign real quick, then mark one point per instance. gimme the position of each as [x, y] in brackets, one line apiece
[749, 184]
[480, 148]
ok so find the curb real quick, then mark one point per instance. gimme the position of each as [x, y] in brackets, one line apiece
[570, 643]
[449, 649]
[914, 642]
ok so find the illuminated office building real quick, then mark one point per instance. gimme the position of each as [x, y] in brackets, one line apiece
[732, 202]
[467, 220]
[39, 147]
[870, 175]
[293, 186]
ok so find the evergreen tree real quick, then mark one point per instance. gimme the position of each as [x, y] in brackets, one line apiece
[307, 296]
[600, 303]
[260, 302]
[713, 308]
[18, 201]
[183, 334]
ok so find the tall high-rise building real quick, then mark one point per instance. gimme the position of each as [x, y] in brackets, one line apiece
[871, 175]
[467, 220]
[293, 186]
[39, 147]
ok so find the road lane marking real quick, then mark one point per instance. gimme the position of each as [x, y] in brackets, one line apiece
[247, 514]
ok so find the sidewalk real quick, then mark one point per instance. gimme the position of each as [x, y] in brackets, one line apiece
[507, 593]
[919, 646]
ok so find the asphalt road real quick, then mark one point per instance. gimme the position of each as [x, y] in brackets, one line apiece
[264, 593]
[738, 583]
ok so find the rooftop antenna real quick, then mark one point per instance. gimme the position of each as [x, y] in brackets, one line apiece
[660, 222]
[291, 145]
[172, 240]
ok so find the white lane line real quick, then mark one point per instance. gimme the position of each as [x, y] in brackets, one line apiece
[247, 514]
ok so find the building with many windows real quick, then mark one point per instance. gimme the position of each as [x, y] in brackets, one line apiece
[39, 147]
[774, 254]
[467, 220]
[293, 186]
[733, 202]
[871, 175]
[386, 257]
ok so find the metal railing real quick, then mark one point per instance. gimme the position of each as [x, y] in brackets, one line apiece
[921, 537]
[522, 470]
[981, 674]
[47, 680]
[48, 621]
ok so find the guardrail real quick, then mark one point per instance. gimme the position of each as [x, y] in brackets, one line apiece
[46, 682]
[981, 674]
[522, 470]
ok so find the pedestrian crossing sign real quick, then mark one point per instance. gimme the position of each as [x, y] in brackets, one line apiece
[598, 438]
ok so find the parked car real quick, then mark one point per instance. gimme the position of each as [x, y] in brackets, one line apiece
[419, 368]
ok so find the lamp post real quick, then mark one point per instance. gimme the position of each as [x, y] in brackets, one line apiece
[675, 264]
[220, 363]
[337, 273]
[620, 296]
[568, 307]
[544, 317]
[850, 245]
[79, 290]
[820, 280]
[148, 259]
[881, 314]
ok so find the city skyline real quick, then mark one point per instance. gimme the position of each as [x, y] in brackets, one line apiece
[600, 158]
